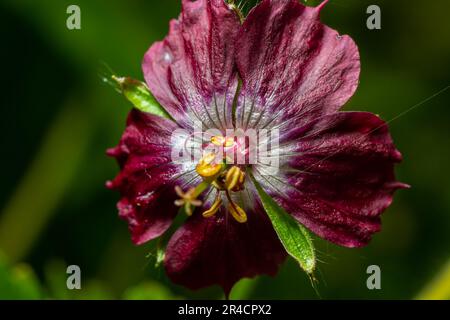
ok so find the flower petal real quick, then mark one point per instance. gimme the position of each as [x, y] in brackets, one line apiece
[192, 70]
[219, 250]
[292, 66]
[148, 176]
[339, 176]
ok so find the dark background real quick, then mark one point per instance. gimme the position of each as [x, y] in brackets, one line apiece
[57, 119]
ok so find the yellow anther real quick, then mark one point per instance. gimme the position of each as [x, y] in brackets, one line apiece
[206, 168]
[187, 199]
[237, 212]
[214, 208]
[208, 158]
[222, 141]
[218, 140]
[234, 179]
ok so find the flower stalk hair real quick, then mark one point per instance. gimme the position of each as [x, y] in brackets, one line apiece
[221, 87]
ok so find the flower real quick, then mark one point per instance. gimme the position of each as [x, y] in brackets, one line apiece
[281, 69]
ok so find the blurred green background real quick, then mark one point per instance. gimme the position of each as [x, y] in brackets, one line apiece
[58, 118]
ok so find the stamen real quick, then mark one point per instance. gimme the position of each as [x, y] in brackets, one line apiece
[218, 184]
[222, 141]
[218, 140]
[234, 179]
[237, 212]
[214, 208]
[206, 168]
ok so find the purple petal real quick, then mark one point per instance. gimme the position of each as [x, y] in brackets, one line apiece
[340, 177]
[148, 177]
[191, 72]
[292, 66]
[219, 250]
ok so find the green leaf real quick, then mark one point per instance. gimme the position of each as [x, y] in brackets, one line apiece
[294, 237]
[55, 278]
[243, 289]
[149, 290]
[18, 282]
[139, 95]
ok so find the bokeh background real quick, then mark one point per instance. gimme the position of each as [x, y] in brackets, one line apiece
[57, 119]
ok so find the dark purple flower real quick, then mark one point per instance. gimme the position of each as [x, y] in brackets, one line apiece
[336, 172]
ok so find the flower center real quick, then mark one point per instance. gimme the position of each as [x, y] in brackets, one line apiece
[223, 141]
[215, 172]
